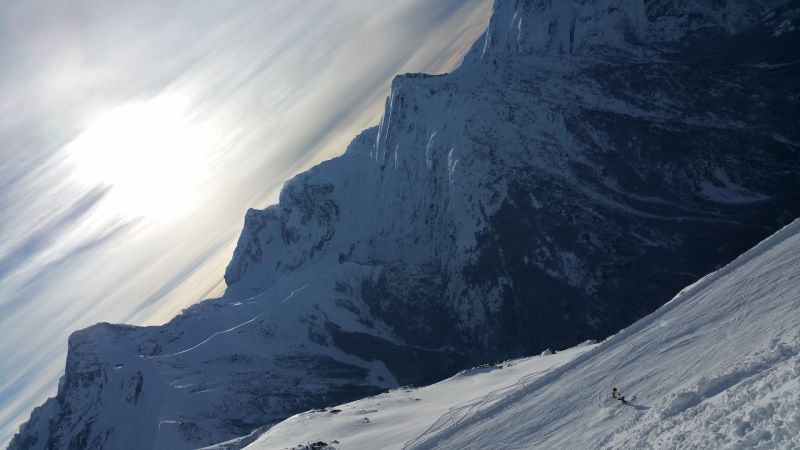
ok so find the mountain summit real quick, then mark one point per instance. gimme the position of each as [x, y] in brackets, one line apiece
[587, 160]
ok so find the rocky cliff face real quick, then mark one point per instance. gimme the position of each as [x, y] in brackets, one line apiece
[588, 160]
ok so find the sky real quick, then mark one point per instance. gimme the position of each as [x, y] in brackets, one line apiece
[134, 135]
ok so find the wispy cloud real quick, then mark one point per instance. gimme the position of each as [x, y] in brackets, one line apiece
[282, 85]
[46, 235]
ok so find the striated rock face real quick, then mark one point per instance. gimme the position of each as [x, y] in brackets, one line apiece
[589, 159]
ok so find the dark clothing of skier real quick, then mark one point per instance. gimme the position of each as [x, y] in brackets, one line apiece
[615, 394]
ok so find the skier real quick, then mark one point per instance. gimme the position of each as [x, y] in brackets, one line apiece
[615, 394]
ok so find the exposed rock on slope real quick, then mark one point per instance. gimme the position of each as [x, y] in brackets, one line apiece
[587, 160]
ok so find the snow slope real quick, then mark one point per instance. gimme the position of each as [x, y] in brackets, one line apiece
[718, 366]
[390, 420]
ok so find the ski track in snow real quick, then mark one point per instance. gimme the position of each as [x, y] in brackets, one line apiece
[293, 292]
[218, 333]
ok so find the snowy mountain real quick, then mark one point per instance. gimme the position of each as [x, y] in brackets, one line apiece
[587, 160]
[716, 367]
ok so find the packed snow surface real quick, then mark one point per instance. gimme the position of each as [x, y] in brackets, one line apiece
[393, 419]
[716, 367]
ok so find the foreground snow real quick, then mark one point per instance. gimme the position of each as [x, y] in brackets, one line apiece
[718, 366]
[392, 419]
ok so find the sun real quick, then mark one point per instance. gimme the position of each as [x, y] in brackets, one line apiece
[150, 154]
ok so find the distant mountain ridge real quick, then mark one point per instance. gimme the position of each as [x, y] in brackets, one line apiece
[587, 160]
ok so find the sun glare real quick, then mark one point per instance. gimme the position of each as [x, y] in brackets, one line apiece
[149, 153]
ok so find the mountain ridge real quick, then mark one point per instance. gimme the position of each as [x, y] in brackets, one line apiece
[510, 206]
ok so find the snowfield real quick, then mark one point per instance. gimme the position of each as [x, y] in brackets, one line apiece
[716, 367]
[390, 420]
